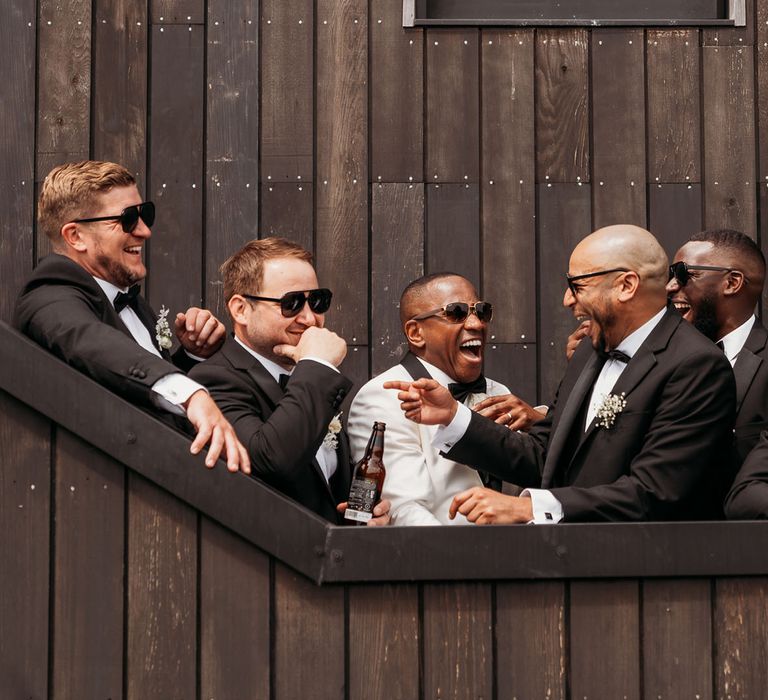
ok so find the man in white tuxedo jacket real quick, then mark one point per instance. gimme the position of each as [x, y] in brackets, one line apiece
[445, 325]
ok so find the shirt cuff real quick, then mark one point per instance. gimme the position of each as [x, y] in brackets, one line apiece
[447, 436]
[194, 357]
[322, 362]
[546, 508]
[172, 391]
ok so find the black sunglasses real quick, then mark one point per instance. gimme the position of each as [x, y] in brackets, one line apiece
[291, 303]
[575, 278]
[458, 311]
[129, 217]
[681, 271]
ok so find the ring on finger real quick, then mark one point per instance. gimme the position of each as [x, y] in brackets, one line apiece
[509, 416]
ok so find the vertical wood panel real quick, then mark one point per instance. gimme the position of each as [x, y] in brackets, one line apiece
[605, 639]
[286, 90]
[356, 367]
[514, 365]
[564, 219]
[677, 639]
[562, 105]
[453, 107]
[729, 139]
[88, 607]
[342, 161]
[530, 640]
[24, 539]
[397, 95]
[177, 11]
[458, 647]
[453, 230]
[234, 616]
[309, 639]
[176, 167]
[397, 225]
[120, 44]
[384, 642]
[618, 127]
[162, 595]
[232, 138]
[740, 631]
[761, 50]
[674, 119]
[17, 148]
[286, 210]
[675, 214]
[508, 189]
[63, 87]
[733, 36]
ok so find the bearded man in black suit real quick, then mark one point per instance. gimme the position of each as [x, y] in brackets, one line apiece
[640, 428]
[83, 304]
[278, 381]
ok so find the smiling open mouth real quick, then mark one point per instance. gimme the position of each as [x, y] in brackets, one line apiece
[683, 307]
[474, 348]
[133, 250]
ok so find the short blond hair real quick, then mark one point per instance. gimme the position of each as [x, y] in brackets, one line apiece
[243, 272]
[69, 192]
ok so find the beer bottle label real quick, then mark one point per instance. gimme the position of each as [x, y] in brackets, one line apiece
[362, 499]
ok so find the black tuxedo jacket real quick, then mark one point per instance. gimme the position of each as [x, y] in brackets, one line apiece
[62, 308]
[751, 372]
[283, 431]
[666, 455]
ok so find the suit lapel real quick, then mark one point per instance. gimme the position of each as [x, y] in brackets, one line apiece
[749, 361]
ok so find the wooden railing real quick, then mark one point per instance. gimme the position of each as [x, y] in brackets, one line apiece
[130, 570]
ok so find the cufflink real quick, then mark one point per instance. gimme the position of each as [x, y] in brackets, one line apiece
[548, 516]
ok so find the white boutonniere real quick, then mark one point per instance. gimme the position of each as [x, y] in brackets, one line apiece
[331, 439]
[612, 405]
[163, 330]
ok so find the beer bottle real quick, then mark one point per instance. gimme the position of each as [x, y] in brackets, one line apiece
[367, 478]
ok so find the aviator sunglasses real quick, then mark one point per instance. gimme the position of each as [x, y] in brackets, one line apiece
[458, 311]
[681, 271]
[129, 217]
[291, 303]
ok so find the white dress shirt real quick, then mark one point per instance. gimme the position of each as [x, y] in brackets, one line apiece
[326, 457]
[734, 341]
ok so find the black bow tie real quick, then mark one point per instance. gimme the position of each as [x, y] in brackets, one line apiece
[129, 298]
[615, 355]
[282, 379]
[461, 391]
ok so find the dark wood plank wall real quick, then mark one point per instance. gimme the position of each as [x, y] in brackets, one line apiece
[388, 152]
[113, 588]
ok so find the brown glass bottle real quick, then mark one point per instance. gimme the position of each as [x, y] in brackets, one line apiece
[367, 478]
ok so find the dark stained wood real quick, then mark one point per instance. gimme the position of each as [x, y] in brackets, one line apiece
[120, 44]
[88, 572]
[604, 639]
[733, 36]
[397, 95]
[356, 367]
[232, 140]
[740, 630]
[384, 642]
[177, 11]
[453, 231]
[309, 639]
[729, 139]
[452, 106]
[562, 105]
[161, 653]
[761, 85]
[531, 640]
[677, 638]
[508, 183]
[234, 616]
[176, 167]
[763, 238]
[513, 364]
[286, 210]
[618, 127]
[25, 496]
[17, 149]
[63, 88]
[674, 119]
[458, 646]
[286, 90]
[341, 243]
[397, 224]
[675, 214]
[564, 219]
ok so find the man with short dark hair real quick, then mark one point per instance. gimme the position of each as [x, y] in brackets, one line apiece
[83, 303]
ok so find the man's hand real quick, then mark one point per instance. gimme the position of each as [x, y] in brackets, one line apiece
[315, 342]
[425, 401]
[575, 338]
[211, 426]
[199, 332]
[487, 507]
[509, 410]
[380, 512]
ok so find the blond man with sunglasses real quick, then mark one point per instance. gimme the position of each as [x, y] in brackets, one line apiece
[83, 303]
